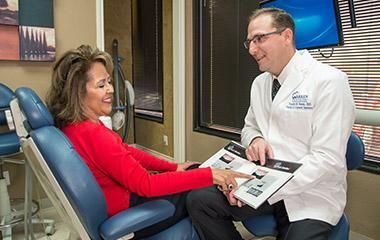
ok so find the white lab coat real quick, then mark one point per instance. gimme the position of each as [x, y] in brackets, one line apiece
[309, 121]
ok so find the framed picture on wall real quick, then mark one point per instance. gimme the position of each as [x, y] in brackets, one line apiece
[27, 30]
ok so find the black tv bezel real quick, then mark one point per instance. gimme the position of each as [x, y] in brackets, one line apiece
[338, 23]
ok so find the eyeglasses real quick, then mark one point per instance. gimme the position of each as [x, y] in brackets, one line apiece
[260, 38]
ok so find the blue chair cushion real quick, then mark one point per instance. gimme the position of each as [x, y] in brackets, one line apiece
[261, 226]
[9, 143]
[355, 152]
[341, 230]
[183, 230]
[136, 218]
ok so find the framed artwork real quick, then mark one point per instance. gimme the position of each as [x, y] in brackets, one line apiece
[27, 30]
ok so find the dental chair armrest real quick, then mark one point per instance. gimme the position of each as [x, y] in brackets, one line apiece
[136, 218]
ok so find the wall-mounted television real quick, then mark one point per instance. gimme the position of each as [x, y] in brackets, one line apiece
[317, 22]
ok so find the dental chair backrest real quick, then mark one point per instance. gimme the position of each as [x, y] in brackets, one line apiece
[69, 170]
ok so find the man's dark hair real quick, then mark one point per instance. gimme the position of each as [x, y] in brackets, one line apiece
[281, 19]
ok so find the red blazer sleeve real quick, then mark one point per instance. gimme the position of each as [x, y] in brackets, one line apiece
[119, 163]
[151, 162]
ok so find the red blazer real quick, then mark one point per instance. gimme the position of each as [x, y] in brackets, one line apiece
[120, 169]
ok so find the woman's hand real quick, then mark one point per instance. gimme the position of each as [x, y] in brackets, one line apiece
[185, 165]
[259, 149]
[225, 179]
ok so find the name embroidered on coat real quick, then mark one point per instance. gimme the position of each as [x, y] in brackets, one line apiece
[299, 101]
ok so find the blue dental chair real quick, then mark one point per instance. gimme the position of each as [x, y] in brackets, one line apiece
[265, 225]
[71, 186]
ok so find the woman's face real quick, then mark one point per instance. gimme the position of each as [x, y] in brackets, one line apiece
[99, 93]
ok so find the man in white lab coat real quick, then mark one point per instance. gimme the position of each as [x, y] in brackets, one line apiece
[300, 110]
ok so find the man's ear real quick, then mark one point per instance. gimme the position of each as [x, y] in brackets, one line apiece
[289, 35]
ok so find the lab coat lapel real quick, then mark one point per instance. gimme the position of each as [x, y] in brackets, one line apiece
[298, 73]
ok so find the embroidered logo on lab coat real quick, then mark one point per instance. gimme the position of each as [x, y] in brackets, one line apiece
[299, 101]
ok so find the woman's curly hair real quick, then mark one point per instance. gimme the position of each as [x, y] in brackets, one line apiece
[68, 88]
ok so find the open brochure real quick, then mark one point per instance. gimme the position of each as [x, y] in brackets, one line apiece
[268, 179]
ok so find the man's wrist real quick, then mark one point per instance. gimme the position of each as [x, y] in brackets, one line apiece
[255, 138]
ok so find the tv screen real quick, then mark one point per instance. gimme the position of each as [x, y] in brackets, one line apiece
[317, 21]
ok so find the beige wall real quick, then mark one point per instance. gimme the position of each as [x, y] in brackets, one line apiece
[75, 24]
[363, 203]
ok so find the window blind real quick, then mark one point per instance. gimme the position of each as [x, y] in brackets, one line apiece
[148, 59]
[359, 58]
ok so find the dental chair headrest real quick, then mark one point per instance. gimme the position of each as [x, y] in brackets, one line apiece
[6, 95]
[34, 109]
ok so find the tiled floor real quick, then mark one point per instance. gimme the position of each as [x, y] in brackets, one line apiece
[247, 235]
[62, 232]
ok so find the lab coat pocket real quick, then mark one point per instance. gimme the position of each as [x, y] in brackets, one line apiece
[297, 123]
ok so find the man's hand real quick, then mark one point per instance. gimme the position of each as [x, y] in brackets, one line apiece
[259, 149]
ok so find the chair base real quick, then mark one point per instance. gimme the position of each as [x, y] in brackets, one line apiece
[12, 213]
[16, 217]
